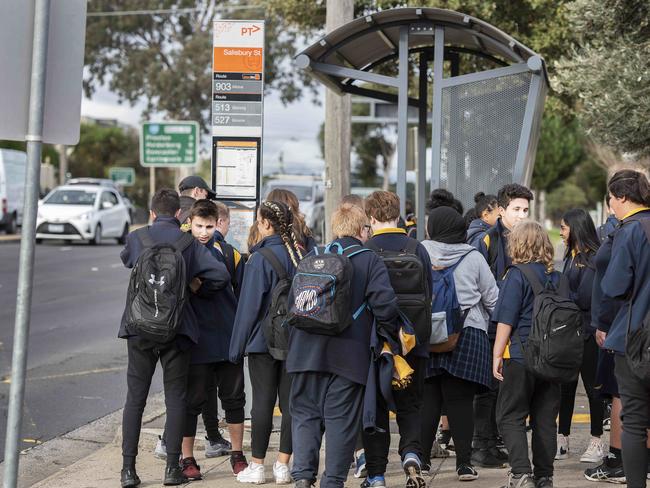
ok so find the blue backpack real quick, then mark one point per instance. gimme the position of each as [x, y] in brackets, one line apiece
[447, 318]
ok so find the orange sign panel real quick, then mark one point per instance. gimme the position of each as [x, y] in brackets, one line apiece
[238, 60]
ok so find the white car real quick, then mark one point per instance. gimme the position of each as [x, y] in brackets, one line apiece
[83, 213]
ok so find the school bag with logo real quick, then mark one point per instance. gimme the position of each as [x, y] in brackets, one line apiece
[157, 288]
[554, 348]
[274, 325]
[447, 318]
[637, 343]
[320, 293]
[408, 277]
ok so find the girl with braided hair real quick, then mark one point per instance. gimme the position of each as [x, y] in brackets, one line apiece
[303, 236]
[276, 253]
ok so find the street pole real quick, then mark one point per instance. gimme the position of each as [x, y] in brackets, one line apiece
[27, 242]
[338, 126]
[63, 163]
[152, 182]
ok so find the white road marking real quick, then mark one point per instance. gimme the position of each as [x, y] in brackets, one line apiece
[94, 269]
[66, 248]
[116, 265]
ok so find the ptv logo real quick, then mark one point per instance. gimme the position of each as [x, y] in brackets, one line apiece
[249, 31]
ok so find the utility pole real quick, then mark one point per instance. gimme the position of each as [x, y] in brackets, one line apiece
[338, 126]
[63, 163]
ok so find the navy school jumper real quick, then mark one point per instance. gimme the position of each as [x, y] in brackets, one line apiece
[395, 239]
[627, 273]
[255, 298]
[199, 263]
[580, 270]
[215, 310]
[240, 265]
[348, 354]
[476, 232]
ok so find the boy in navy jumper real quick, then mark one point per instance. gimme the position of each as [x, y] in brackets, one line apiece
[329, 372]
[215, 312]
[382, 208]
[522, 394]
[514, 202]
[175, 355]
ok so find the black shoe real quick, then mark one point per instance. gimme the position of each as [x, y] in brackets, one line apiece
[485, 459]
[303, 484]
[544, 482]
[129, 478]
[611, 471]
[174, 476]
[466, 472]
[443, 437]
[500, 453]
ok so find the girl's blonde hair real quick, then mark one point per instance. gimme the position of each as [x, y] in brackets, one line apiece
[529, 243]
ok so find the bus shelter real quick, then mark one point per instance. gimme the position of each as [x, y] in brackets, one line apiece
[485, 92]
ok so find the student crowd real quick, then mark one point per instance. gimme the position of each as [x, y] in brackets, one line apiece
[443, 332]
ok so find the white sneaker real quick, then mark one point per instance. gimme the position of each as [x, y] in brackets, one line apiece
[595, 452]
[254, 473]
[562, 447]
[160, 450]
[281, 473]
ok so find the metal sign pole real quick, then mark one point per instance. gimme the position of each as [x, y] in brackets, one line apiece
[26, 268]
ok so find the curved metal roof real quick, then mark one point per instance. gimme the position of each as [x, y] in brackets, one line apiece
[370, 40]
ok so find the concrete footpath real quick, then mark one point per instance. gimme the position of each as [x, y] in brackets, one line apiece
[101, 463]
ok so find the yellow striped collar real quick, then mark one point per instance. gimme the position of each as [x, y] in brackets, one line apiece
[636, 211]
[388, 230]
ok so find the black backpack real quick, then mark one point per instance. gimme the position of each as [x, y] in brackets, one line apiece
[320, 294]
[408, 277]
[157, 288]
[274, 325]
[637, 343]
[493, 250]
[555, 343]
[228, 253]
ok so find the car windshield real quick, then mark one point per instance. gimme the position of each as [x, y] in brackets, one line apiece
[72, 197]
[303, 193]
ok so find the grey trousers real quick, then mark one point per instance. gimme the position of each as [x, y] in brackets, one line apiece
[324, 403]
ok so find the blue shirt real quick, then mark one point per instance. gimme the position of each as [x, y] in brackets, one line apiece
[255, 298]
[515, 305]
[348, 354]
[627, 275]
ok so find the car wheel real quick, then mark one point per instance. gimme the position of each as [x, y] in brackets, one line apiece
[39, 241]
[11, 227]
[97, 238]
[122, 239]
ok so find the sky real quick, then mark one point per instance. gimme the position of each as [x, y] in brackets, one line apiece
[290, 131]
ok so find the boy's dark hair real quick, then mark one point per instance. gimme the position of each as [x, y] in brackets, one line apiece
[382, 205]
[444, 198]
[511, 192]
[484, 202]
[165, 202]
[630, 184]
[204, 209]
[470, 216]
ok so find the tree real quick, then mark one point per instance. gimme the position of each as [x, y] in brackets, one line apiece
[166, 59]
[608, 70]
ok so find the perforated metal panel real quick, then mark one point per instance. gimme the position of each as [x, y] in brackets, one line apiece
[481, 126]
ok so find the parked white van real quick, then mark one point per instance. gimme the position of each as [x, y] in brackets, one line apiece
[12, 189]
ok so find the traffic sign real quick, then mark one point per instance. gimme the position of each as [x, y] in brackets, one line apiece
[169, 144]
[237, 78]
[65, 60]
[122, 175]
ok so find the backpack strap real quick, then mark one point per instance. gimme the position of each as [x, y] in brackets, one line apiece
[328, 248]
[274, 262]
[411, 246]
[183, 242]
[144, 236]
[349, 251]
[493, 248]
[229, 257]
[533, 280]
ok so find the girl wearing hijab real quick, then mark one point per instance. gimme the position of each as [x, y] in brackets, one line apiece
[454, 377]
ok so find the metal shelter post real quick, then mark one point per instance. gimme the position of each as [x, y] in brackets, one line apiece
[402, 115]
[436, 116]
[27, 243]
[421, 192]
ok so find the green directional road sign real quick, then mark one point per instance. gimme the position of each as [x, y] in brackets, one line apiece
[169, 144]
[122, 176]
